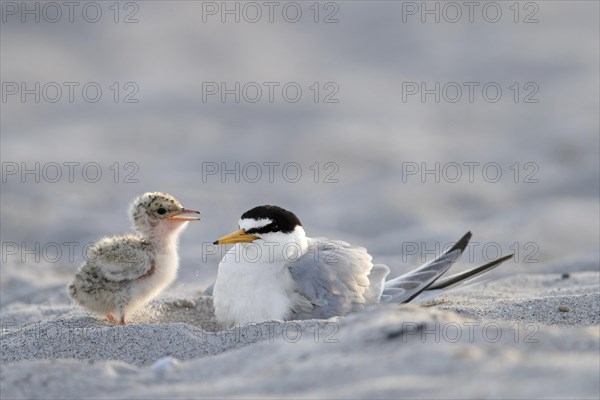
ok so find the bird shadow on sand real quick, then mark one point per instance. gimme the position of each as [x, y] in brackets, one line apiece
[197, 312]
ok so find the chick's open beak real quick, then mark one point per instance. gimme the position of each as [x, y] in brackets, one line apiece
[236, 237]
[179, 217]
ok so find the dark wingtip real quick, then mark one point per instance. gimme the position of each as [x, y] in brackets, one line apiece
[462, 243]
[502, 259]
[463, 276]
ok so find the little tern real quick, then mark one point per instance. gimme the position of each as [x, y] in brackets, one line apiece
[276, 272]
[121, 274]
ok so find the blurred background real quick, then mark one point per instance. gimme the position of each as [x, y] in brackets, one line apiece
[394, 125]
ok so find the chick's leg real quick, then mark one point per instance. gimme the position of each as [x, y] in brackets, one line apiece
[120, 315]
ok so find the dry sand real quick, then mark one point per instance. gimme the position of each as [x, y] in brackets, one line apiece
[506, 338]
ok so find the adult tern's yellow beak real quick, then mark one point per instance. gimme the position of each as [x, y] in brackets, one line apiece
[236, 237]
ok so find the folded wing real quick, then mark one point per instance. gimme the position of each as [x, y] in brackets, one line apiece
[333, 278]
[121, 260]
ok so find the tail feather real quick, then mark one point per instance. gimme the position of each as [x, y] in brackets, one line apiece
[462, 277]
[462, 243]
[426, 282]
[406, 287]
[376, 281]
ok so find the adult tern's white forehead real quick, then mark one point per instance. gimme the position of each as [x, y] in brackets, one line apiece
[251, 223]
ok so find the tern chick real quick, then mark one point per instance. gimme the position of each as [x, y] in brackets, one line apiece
[121, 274]
[276, 272]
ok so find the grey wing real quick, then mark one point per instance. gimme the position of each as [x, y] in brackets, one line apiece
[406, 287]
[333, 278]
[122, 262]
[209, 290]
[461, 280]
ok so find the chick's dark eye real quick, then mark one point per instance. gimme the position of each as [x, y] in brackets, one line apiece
[161, 211]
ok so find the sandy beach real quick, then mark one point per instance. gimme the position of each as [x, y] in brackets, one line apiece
[506, 338]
